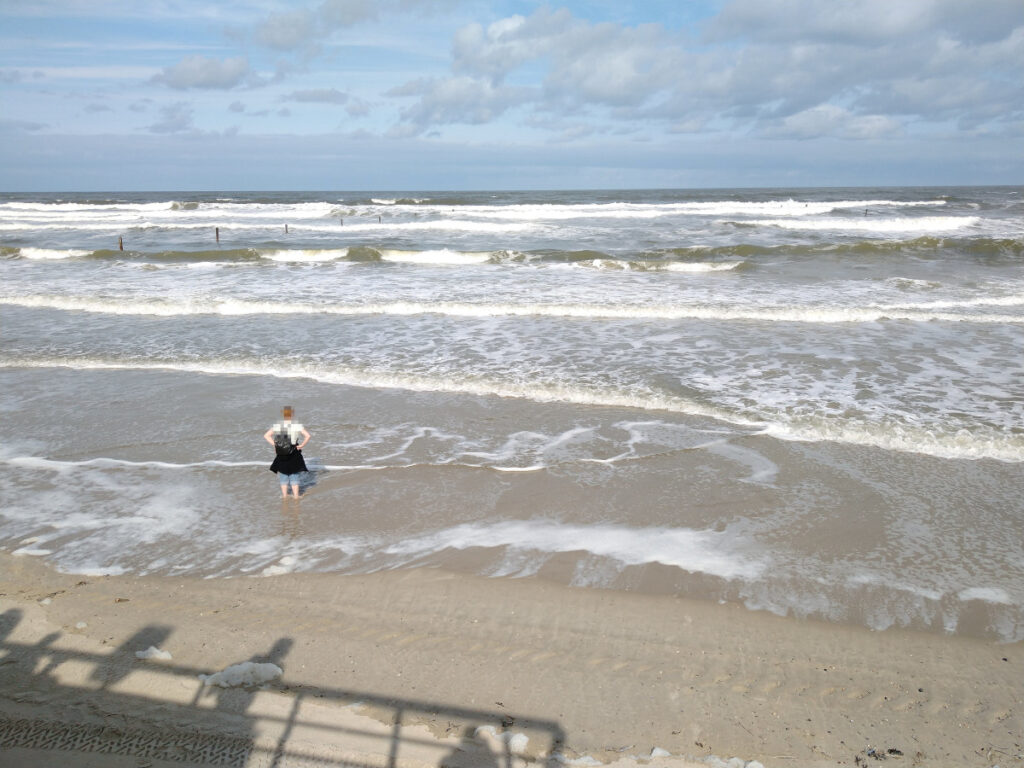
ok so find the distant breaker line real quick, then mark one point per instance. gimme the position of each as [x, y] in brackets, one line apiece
[903, 312]
[683, 258]
[868, 225]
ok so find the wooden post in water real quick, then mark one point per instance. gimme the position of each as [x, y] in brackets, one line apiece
[286, 229]
[217, 231]
[120, 243]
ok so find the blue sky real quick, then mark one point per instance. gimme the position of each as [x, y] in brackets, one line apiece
[478, 94]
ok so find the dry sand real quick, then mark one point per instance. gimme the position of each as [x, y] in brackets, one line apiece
[430, 668]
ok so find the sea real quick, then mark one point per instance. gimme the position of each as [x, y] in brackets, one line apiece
[804, 401]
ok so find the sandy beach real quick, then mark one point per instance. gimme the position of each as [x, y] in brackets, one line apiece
[430, 668]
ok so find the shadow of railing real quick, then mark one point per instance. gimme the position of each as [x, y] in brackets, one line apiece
[235, 727]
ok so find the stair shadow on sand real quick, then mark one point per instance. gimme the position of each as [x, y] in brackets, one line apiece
[160, 713]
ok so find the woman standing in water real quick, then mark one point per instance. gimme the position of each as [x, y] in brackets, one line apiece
[288, 464]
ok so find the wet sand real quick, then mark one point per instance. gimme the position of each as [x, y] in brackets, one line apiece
[428, 667]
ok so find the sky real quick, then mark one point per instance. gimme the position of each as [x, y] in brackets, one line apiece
[509, 94]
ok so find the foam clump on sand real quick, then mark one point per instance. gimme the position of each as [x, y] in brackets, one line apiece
[285, 565]
[586, 760]
[517, 742]
[732, 762]
[246, 673]
[153, 653]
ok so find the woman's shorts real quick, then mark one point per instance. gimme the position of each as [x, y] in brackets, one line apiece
[289, 479]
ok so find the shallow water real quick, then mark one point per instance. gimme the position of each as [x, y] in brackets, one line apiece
[809, 401]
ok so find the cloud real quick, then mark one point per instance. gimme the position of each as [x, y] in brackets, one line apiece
[236, 106]
[358, 108]
[582, 66]
[318, 95]
[303, 29]
[833, 121]
[347, 13]
[455, 100]
[175, 118]
[848, 69]
[864, 22]
[197, 71]
[288, 31]
[585, 63]
[95, 108]
[20, 126]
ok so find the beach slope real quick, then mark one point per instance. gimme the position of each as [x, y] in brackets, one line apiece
[430, 668]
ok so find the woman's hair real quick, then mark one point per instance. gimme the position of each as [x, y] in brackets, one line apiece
[287, 411]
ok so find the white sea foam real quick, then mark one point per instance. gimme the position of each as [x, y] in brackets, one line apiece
[38, 462]
[307, 255]
[702, 266]
[50, 254]
[286, 564]
[953, 443]
[640, 211]
[153, 653]
[874, 225]
[810, 313]
[246, 673]
[362, 378]
[941, 443]
[986, 594]
[692, 550]
[443, 256]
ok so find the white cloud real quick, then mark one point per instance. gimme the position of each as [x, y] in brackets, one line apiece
[197, 71]
[456, 100]
[848, 68]
[864, 22]
[175, 118]
[830, 120]
[357, 108]
[287, 31]
[347, 13]
[318, 95]
[303, 29]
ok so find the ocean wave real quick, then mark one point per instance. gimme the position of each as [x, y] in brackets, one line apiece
[947, 443]
[702, 266]
[621, 210]
[695, 551]
[904, 438]
[915, 246]
[358, 377]
[49, 254]
[166, 307]
[308, 255]
[39, 462]
[682, 259]
[871, 224]
[441, 256]
[93, 206]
